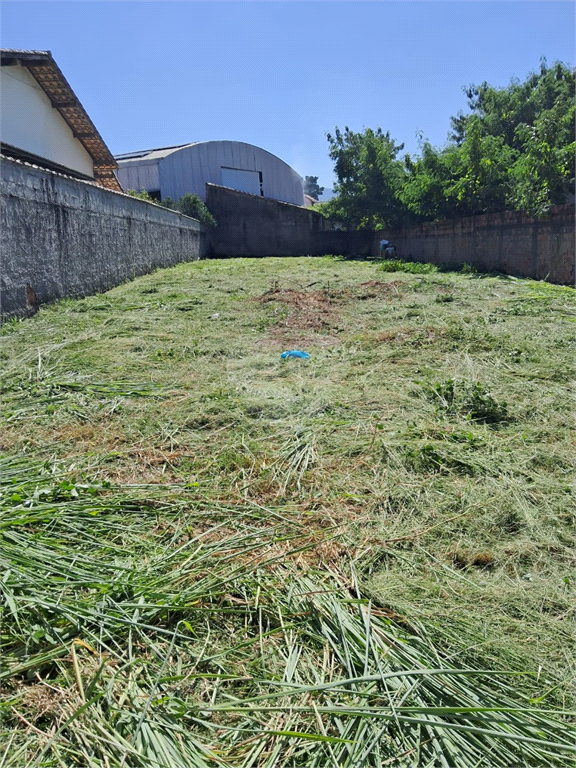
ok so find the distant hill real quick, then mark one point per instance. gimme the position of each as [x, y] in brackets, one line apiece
[328, 194]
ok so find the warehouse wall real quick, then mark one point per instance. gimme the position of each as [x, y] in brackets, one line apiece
[139, 175]
[511, 242]
[176, 171]
[71, 238]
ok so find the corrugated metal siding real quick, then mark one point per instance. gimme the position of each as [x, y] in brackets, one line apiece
[189, 168]
[139, 174]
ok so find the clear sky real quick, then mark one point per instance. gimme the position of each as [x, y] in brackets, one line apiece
[282, 74]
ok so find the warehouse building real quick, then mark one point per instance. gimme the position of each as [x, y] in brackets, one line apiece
[43, 122]
[186, 168]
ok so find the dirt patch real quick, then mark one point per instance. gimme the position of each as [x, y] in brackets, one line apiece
[301, 318]
[311, 317]
[374, 289]
[312, 310]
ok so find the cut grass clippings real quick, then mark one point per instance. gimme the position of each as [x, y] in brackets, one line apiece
[214, 557]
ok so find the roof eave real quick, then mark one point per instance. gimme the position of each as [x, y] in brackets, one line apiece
[51, 79]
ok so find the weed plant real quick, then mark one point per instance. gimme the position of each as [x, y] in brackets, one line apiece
[215, 557]
[411, 267]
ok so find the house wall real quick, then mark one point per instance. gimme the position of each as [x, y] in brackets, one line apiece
[67, 237]
[510, 242]
[29, 122]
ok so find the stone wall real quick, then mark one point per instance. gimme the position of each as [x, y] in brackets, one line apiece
[511, 242]
[249, 225]
[71, 238]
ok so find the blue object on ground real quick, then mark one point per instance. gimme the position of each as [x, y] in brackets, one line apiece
[295, 353]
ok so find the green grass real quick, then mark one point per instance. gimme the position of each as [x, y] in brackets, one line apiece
[215, 557]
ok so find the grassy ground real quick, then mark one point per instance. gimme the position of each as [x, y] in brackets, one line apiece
[213, 556]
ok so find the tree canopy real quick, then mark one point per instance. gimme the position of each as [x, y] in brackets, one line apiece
[369, 178]
[312, 188]
[514, 150]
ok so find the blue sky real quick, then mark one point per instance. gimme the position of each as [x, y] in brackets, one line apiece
[282, 74]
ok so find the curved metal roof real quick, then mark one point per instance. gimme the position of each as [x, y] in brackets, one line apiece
[161, 152]
[145, 154]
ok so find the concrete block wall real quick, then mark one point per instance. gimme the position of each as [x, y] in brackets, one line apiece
[510, 242]
[66, 237]
[249, 225]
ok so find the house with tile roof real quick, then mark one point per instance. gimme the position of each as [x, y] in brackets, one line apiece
[43, 122]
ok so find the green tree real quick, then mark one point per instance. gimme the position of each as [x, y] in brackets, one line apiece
[480, 173]
[502, 110]
[312, 188]
[529, 126]
[543, 174]
[192, 205]
[428, 177]
[514, 150]
[369, 179]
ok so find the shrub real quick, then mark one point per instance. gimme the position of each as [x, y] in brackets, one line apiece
[192, 205]
[142, 195]
[189, 205]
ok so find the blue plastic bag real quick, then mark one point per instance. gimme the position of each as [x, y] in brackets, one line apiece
[295, 353]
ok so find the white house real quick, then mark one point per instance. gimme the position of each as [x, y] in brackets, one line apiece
[43, 122]
[186, 168]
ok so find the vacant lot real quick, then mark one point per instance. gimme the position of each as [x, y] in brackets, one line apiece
[216, 557]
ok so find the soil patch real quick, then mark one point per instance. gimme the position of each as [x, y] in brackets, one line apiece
[299, 316]
[306, 309]
[373, 289]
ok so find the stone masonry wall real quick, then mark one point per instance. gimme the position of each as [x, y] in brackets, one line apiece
[66, 237]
